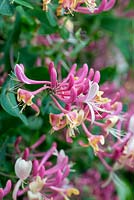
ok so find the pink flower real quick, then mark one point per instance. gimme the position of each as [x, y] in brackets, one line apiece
[83, 102]
[105, 5]
[47, 180]
[85, 6]
[94, 141]
[25, 97]
[19, 72]
[71, 121]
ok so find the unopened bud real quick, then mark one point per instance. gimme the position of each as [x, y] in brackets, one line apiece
[23, 168]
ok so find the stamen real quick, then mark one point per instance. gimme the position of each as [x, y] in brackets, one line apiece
[116, 133]
[91, 4]
[23, 108]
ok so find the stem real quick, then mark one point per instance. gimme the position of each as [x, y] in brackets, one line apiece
[86, 130]
[7, 175]
[109, 168]
[40, 141]
[58, 105]
[46, 156]
[40, 90]
[97, 123]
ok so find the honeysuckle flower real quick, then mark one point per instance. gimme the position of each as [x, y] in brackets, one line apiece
[20, 75]
[92, 106]
[129, 148]
[94, 142]
[58, 121]
[4, 191]
[47, 180]
[35, 187]
[127, 156]
[25, 97]
[71, 121]
[74, 119]
[93, 90]
[122, 151]
[63, 91]
[82, 100]
[72, 5]
[105, 5]
[94, 100]
[73, 86]
[67, 90]
[84, 6]
[110, 122]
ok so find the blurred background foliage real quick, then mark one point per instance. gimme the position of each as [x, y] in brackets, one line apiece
[78, 39]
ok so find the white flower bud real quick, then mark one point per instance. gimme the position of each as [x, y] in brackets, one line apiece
[23, 168]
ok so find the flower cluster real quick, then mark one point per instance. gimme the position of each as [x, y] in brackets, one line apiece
[44, 180]
[120, 152]
[91, 184]
[86, 6]
[76, 103]
[83, 102]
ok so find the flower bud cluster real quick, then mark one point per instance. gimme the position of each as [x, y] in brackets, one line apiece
[43, 179]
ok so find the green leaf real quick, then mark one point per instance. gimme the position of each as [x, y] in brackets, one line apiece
[26, 18]
[13, 37]
[8, 101]
[35, 123]
[64, 33]
[6, 8]
[51, 17]
[3, 146]
[46, 27]
[107, 74]
[23, 3]
[123, 189]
